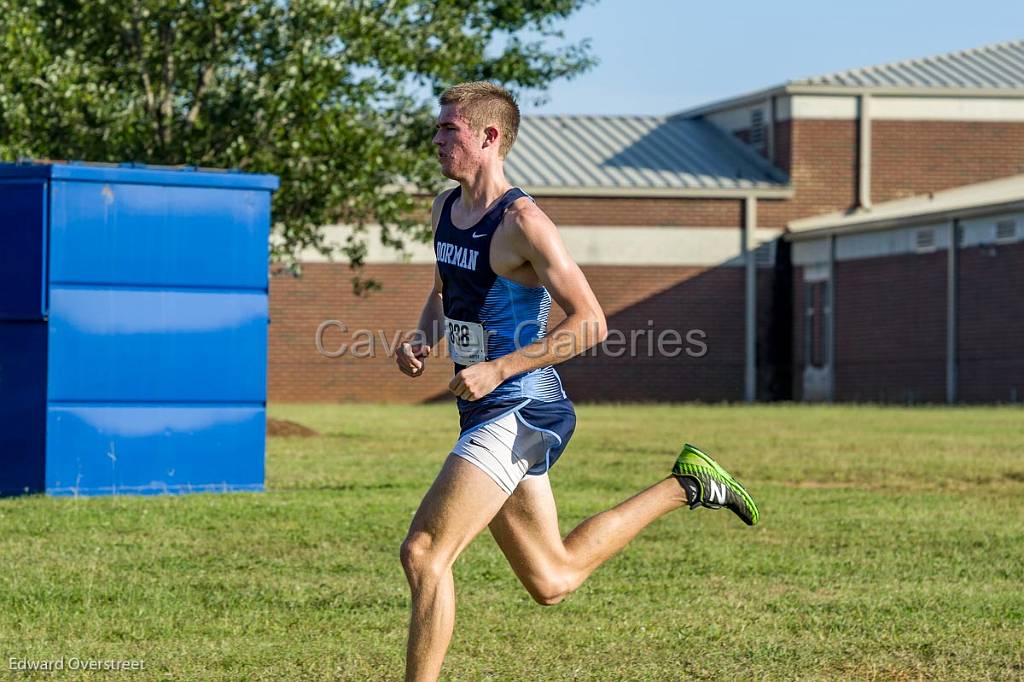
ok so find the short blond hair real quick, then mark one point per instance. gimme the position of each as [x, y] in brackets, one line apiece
[482, 104]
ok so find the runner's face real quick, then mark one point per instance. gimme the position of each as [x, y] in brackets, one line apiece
[459, 147]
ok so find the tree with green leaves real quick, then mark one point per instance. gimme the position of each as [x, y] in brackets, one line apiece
[334, 96]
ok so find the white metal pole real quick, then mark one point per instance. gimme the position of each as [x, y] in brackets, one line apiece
[750, 300]
[951, 312]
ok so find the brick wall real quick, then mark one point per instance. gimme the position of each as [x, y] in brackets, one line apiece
[651, 299]
[655, 299]
[907, 158]
[299, 373]
[915, 157]
[891, 329]
[822, 165]
[991, 325]
[643, 212]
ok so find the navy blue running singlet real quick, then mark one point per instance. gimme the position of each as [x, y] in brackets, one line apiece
[487, 315]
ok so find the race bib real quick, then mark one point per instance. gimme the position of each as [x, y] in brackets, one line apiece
[466, 342]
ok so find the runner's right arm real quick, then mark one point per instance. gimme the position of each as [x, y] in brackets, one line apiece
[413, 353]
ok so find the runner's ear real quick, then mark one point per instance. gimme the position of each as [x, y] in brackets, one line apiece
[491, 136]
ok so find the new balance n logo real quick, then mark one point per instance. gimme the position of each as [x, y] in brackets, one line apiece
[716, 494]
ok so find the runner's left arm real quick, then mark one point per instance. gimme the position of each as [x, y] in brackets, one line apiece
[535, 240]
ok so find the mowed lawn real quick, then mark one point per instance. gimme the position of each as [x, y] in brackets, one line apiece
[891, 546]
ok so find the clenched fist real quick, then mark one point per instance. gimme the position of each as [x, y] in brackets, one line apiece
[411, 358]
[476, 381]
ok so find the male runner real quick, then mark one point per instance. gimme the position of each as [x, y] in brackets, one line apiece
[500, 261]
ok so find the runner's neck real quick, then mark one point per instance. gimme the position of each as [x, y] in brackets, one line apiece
[480, 193]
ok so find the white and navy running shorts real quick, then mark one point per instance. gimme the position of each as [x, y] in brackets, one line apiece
[512, 441]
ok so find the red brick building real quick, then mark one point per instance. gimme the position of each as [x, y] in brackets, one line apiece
[916, 300]
[678, 224]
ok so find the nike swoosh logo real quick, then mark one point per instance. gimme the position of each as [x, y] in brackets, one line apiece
[477, 236]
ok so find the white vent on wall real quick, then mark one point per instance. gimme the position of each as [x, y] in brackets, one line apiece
[1006, 231]
[757, 128]
[924, 240]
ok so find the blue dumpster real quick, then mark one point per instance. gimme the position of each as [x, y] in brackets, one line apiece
[133, 329]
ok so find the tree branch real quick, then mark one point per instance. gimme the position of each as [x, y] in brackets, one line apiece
[135, 41]
[203, 83]
[167, 89]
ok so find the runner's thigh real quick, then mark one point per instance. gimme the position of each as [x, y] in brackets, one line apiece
[460, 504]
[526, 529]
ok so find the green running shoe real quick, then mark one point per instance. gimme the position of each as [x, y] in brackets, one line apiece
[716, 488]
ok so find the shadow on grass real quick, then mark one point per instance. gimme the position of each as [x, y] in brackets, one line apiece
[337, 487]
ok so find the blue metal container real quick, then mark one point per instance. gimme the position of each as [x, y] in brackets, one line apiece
[133, 329]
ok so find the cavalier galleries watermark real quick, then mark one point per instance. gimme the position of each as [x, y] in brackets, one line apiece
[334, 339]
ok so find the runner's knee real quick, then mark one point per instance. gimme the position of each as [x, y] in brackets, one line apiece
[420, 558]
[550, 590]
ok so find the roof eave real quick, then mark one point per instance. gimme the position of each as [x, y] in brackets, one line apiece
[900, 91]
[730, 103]
[780, 192]
[798, 233]
[848, 90]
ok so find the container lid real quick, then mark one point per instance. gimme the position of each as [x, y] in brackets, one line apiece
[138, 173]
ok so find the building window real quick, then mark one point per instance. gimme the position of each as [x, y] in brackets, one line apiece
[816, 311]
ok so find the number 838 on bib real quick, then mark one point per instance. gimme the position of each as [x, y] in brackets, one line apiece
[467, 341]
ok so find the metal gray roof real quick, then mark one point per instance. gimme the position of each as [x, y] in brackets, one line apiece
[636, 155]
[987, 71]
[992, 66]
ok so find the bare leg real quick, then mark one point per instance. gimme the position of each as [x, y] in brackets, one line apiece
[527, 531]
[460, 504]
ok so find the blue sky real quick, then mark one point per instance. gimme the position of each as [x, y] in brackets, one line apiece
[659, 56]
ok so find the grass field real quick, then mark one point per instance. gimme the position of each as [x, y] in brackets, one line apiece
[891, 546]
